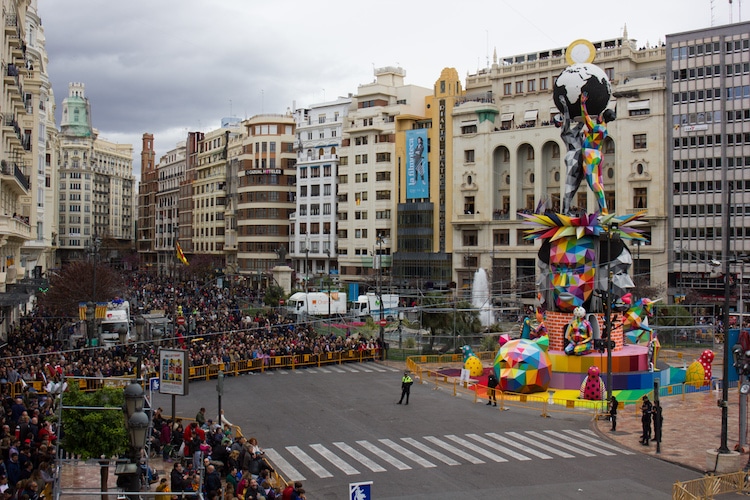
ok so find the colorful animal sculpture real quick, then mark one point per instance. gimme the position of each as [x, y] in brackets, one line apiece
[593, 387]
[636, 328]
[523, 365]
[471, 362]
[699, 372]
[529, 331]
[579, 333]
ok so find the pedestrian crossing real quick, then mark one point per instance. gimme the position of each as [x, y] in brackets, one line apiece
[340, 368]
[339, 458]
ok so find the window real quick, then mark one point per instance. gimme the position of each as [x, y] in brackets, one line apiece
[507, 87]
[382, 157]
[543, 83]
[469, 129]
[470, 238]
[469, 205]
[383, 176]
[531, 85]
[469, 156]
[639, 198]
[639, 141]
[610, 72]
[382, 195]
[519, 87]
[501, 237]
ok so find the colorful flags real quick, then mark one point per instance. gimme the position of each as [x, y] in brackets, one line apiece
[101, 310]
[180, 254]
[82, 311]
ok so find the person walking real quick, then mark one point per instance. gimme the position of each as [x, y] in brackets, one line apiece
[406, 382]
[492, 383]
[646, 409]
[613, 404]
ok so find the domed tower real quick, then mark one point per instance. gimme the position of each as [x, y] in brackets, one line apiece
[76, 112]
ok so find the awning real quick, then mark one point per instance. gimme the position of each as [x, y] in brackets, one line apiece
[636, 105]
[469, 123]
[553, 111]
[531, 115]
[506, 117]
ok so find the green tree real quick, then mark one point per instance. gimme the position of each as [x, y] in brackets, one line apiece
[74, 283]
[441, 314]
[273, 295]
[94, 433]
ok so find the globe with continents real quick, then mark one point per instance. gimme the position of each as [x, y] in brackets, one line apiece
[579, 78]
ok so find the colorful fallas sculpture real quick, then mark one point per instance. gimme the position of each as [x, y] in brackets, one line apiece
[583, 260]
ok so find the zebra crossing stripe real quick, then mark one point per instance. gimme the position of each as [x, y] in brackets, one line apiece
[557, 443]
[580, 444]
[362, 368]
[451, 448]
[539, 445]
[359, 457]
[510, 442]
[337, 370]
[407, 453]
[433, 453]
[310, 462]
[280, 463]
[384, 455]
[349, 368]
[498, 447]
[589, 436]
[334, 459]
[324, 370]
[474, 448]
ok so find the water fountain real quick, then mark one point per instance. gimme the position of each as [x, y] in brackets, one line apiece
[480, 297]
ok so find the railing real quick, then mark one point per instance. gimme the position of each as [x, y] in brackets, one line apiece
[710, 486]
[207, 372]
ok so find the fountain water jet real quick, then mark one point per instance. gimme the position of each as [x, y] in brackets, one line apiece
[480, 297]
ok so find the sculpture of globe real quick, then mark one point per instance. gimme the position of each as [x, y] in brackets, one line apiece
[579, 78]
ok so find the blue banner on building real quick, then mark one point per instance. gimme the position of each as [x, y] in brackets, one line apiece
[417, 167]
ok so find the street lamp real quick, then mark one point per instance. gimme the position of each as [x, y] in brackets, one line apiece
[93, 250]
[378, 260]
[137, 423]
[612, 227]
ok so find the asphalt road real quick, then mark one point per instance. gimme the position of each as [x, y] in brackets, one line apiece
[336, 425]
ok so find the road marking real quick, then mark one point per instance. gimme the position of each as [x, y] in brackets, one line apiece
[384, 455]
[334, 459]
[451, 448]
[510, 442]
[581, 443]
[309, 462]
[280, 463]
[324, 370]
[433, 453]
[572, 449]
[337, 370]
[539, 445]
[473, 447]
[407, 453]
[359, 457]
[349, 368]
[593, 438]
[498, 447]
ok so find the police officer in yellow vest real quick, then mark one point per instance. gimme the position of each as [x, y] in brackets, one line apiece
[406, 382]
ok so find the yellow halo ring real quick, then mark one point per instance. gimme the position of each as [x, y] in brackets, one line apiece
[580, 51]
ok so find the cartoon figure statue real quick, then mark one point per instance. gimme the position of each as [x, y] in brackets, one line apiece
[529, 331]
[523, 365]
[699, 372]
[579, 334]
[472, 364]
[636, 328]
[592, 387]
[591, 151]
[526, 328]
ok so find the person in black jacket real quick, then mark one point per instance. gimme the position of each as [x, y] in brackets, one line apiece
[492, 383]
[613, 404]
[179, 479]
[646, 409]
[212, 481]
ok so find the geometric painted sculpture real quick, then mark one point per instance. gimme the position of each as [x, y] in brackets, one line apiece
[579, 334]
[592, 387]
[699, 372]
[523, 365]
[471, 362]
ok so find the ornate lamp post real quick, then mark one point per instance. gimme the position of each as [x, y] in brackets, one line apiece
[137, 423]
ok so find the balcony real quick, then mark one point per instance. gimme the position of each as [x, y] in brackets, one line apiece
[11, 174]
[14, 227]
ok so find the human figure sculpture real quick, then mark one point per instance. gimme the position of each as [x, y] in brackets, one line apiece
[579, 334]
[572, 136]
[591, 153]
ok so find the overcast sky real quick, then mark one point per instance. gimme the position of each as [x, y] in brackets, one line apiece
[170, 66]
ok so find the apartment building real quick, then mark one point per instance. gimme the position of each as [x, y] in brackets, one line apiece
[312, 242]
[507, 159]
[170, 172]
[368, 173]
[38, 253]
[424, 164]
[265, 193]
[96, 185]
[708, 144]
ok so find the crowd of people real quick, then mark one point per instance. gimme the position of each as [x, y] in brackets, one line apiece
[39, 350]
